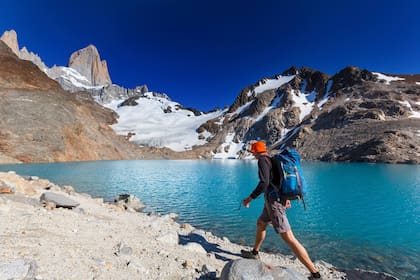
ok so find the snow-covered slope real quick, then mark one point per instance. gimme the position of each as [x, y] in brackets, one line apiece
[70, 79]
[157, 121]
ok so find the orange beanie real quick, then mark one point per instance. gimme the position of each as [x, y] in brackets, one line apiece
[258, 147]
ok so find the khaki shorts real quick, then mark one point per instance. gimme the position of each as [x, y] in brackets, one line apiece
[275, 213]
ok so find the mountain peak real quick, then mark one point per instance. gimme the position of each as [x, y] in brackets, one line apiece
[10, 38]
[350, 76]
[291, 71]
[88, 63]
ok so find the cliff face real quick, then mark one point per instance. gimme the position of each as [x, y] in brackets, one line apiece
[40, 122]
[88, 63]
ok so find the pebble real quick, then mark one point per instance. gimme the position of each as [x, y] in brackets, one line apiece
[187, 263]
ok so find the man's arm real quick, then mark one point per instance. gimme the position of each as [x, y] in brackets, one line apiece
[264, 171]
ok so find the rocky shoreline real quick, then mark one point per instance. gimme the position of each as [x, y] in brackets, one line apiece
[53, 232]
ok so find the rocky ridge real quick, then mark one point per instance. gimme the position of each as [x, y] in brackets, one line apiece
[51, 231]
[11, 40]
[84, 72]
[355, 115]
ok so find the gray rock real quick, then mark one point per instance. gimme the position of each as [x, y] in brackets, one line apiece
[59, 200]
[7, 187]
[18, 269]
[244, 269]
[129, 201]
[123, 249]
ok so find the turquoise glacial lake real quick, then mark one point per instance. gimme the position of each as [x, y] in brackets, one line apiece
[358, 215]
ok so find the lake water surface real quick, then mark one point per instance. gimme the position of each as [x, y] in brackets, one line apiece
[358, 215]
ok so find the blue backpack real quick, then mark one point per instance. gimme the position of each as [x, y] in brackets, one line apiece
[292, 183]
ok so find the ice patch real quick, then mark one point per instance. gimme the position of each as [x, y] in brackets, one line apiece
[387, 79]
[242, 108]
[326, 95]
[268, 84]
[414, 114]
[229, 149]
[302, 101]
[273, 105]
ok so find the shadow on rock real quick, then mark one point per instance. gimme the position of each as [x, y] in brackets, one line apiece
[198, 237]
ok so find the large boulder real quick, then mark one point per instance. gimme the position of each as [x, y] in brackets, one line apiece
[59, 200]
[245, 269]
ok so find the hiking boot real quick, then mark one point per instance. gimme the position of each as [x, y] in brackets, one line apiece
[314, 275]
[250, 254]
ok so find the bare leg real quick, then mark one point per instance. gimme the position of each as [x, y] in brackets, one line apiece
[298, 250]
[260, 235]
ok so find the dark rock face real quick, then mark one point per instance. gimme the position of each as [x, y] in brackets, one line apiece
[193, 110]
[351, 76]
[242, 99]
[130, 101]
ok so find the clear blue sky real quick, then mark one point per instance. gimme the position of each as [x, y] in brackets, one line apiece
[202, 53]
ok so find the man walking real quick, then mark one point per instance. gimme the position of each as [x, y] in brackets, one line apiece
[274, 212]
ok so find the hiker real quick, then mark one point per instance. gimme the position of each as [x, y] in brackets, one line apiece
[274, 212]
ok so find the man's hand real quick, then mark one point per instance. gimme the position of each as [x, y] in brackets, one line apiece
[247, 201]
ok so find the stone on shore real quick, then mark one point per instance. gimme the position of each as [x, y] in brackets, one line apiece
[18, 269]
[244, 269]
[59, 200]
[5, 187]
[128, 202]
